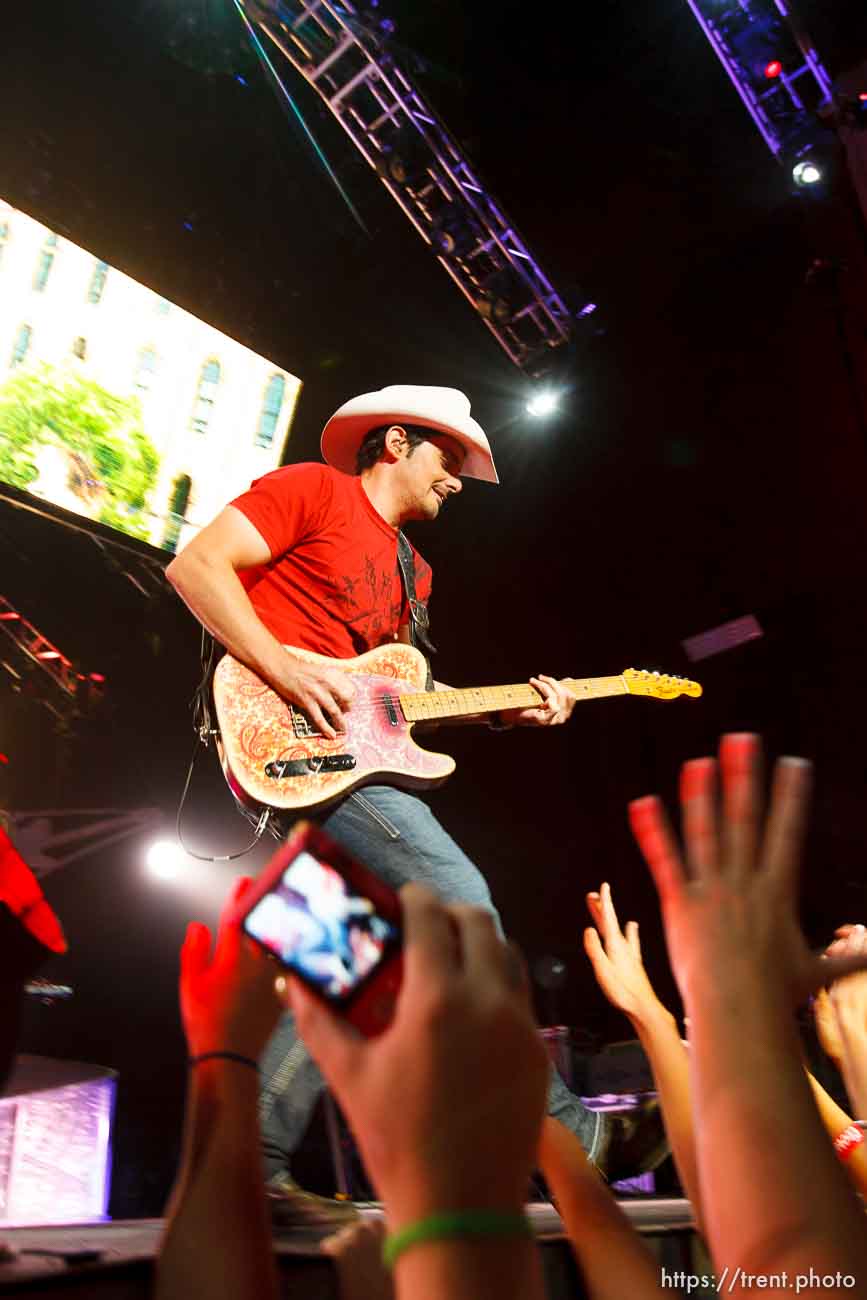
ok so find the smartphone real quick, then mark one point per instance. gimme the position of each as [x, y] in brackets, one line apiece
[332, 922]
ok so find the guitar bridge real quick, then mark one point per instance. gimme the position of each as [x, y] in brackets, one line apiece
[315, 765]
[301, 724]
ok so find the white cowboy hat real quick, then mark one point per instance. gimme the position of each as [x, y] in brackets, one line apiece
[445, 410]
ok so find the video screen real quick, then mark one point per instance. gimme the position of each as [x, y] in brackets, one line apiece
[119, 405]
[314, 924]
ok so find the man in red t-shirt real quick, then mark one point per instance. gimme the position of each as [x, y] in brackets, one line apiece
[309, 558]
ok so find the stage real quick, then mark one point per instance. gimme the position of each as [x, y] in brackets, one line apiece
[115, 1260]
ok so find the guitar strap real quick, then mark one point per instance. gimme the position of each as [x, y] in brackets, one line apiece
[419, 620]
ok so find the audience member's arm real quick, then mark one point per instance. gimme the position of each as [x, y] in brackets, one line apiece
[840, 1128]
[447, 1104]
[849, 1000]
[613, 1260]
[774, 1198]
[357, 1254]
[620, 974]
[834, 1118]
[218, 1236]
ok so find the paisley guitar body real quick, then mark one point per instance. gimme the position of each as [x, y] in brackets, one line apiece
[271, 756]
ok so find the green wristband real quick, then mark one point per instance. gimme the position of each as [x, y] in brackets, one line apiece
[452, 1224]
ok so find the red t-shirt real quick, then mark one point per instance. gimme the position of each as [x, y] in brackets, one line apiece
[332, 584]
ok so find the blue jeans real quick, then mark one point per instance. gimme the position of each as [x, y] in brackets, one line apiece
[398, 836]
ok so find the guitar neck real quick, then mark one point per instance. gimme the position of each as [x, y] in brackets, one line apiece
[426, 706]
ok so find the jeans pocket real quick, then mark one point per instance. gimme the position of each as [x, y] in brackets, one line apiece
[375, 815]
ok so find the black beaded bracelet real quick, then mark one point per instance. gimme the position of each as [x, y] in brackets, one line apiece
[223, 1056]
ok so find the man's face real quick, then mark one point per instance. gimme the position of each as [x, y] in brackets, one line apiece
[431, 475]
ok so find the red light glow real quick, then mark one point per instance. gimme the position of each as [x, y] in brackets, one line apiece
[97, 677]
[773, 69]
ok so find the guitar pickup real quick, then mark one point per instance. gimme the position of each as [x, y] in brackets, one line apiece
[282, 768]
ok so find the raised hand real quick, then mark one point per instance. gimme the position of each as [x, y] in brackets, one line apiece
[848, 995]
[324, 694]
[616, 958]
[228, 1000]
[729, 899]
[446, 1105]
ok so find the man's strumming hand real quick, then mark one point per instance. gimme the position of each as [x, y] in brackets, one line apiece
[323, 693]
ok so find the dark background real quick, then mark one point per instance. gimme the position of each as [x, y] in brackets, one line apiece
[711, 461]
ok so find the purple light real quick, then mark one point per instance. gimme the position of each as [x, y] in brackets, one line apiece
[587, 311]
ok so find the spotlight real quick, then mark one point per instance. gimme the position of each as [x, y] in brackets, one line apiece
[543, 403]
[164, 859]
[806, 173]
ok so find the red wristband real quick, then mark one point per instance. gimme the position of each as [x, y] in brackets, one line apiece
[846, 1142]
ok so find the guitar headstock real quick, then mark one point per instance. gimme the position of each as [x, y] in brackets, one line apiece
[660, 685]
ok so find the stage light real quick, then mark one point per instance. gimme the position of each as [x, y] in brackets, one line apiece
[773, 69]
[164, 859]
[806, 173]
[543, 403]
[454, 233]
[503, 294]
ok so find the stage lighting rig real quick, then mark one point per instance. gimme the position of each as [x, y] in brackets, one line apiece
[59, 687]
[775, 69]
[345, 52]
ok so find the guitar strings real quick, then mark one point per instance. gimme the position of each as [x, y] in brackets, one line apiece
[383, 701]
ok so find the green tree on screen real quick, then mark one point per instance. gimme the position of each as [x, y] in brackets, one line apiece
[113, 462]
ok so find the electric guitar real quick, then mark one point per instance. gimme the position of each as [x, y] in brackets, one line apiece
[273, 756]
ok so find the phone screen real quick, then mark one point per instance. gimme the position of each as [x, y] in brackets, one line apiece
[316, 923]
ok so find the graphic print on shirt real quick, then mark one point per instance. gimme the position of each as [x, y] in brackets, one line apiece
[333, 584]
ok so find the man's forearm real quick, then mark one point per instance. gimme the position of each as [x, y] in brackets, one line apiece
[213, 592]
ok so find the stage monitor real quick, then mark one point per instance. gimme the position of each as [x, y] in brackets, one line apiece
[119, 405]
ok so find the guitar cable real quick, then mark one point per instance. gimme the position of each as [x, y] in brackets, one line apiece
[205, 731]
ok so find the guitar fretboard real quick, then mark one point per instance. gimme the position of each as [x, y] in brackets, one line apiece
[427, 705]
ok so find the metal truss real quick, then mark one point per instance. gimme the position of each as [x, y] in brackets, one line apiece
[750, 35]
[29, 642]
[342, 51]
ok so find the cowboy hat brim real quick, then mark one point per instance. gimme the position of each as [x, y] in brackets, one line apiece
[443, 410]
